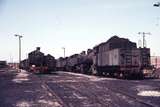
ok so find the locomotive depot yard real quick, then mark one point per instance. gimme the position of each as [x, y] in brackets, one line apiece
[79, 53]
[66, 89]
[115, 73]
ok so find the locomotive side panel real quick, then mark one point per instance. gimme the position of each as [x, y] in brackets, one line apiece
[50, 62]
[60, 64]
[114, 57]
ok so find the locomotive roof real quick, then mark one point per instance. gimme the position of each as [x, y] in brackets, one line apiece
[35, 51]
[115, 39]
[50, 56]
[74, 55]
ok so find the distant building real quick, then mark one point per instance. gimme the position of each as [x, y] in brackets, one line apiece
[155, 60]
[13, 65]
[3, 64]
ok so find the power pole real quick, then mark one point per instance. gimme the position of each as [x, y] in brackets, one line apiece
[63, 51]
[157, 5]
[143, 34]
[19, 37]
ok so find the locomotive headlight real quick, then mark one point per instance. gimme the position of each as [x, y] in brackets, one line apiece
[33, 66]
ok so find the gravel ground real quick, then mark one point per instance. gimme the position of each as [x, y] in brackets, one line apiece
[64, 89]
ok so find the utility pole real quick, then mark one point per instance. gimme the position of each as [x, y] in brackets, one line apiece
[143, 34]
[157, 5]
[19, 37]
[63, 51]
[157, 23]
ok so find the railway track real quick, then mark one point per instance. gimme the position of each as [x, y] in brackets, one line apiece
[92, 96]
[148, 104]
[133, 84]
[124, 94]
[51, 93]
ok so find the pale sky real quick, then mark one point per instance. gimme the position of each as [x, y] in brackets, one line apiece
[74, 24]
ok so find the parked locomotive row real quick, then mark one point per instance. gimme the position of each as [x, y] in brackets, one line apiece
[117, 57]
[37, 62]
